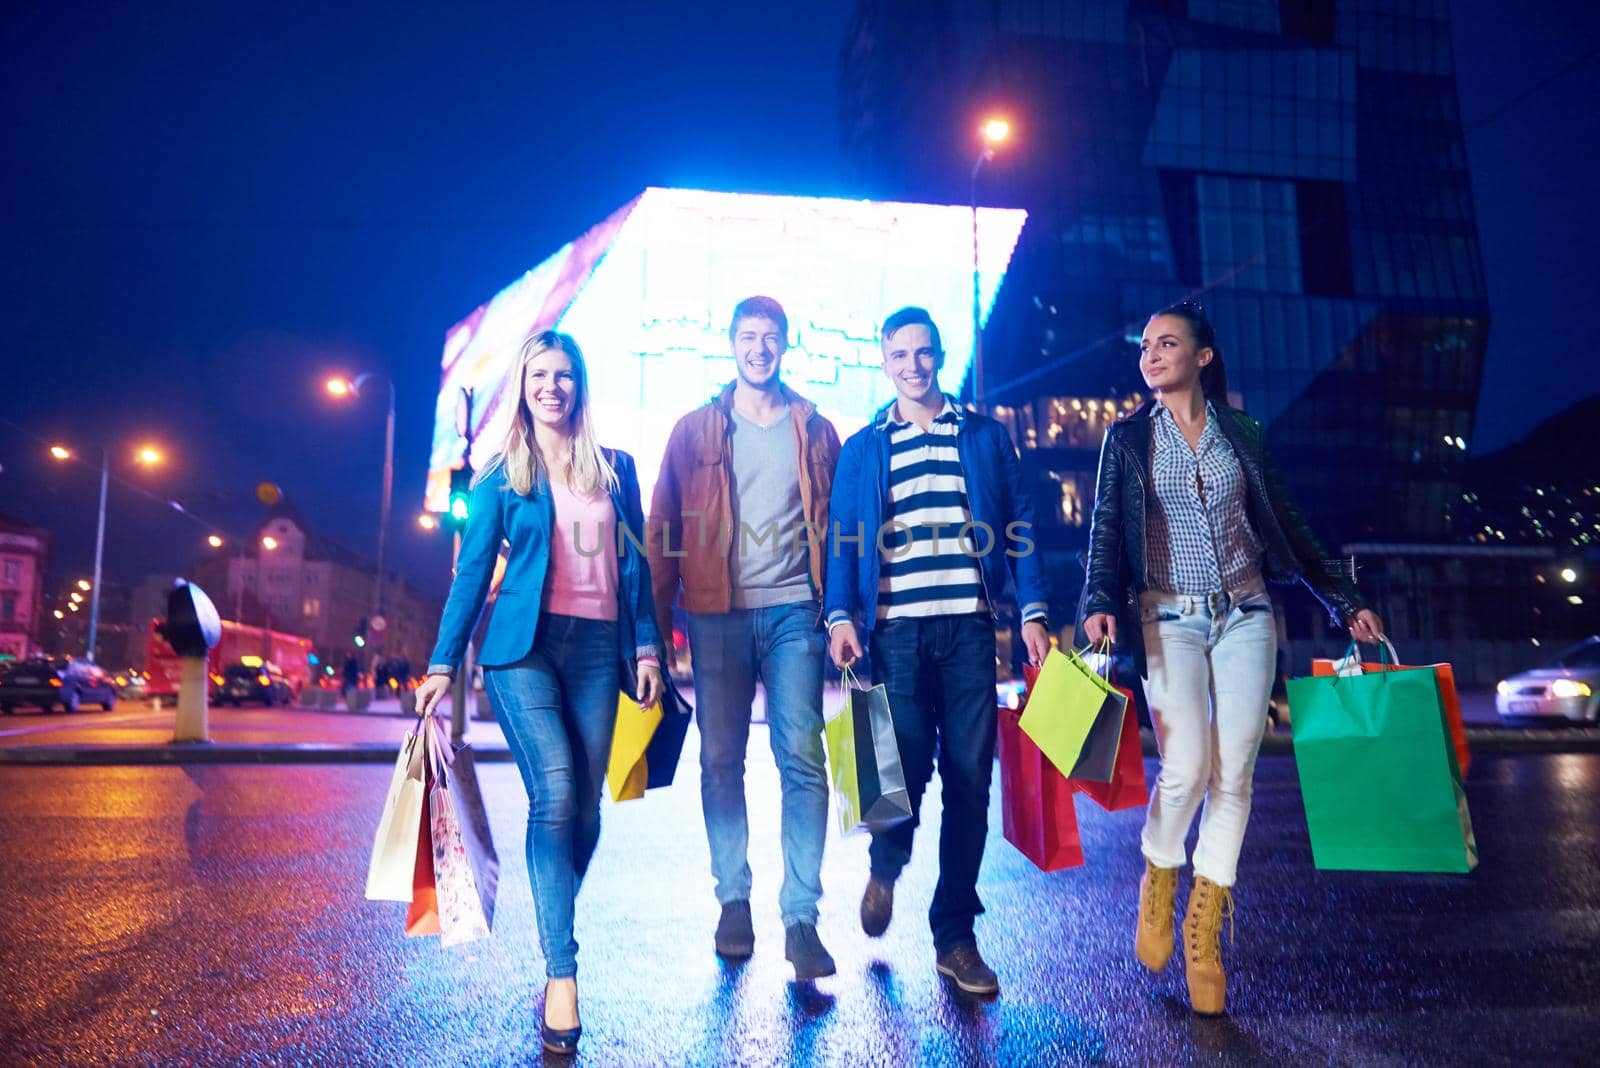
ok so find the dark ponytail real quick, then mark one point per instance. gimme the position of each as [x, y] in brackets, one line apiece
[1213, 376]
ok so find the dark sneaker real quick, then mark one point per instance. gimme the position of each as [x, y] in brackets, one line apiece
[802, 946]
[964, 965]
[735, 936]
[877, 907]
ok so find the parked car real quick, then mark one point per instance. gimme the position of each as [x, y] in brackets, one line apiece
[260, 683]
[1568, 687]
[55, 682]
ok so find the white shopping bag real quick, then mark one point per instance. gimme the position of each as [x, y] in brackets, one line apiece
[394, 849]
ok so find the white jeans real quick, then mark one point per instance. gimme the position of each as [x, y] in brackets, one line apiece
[1211, 661]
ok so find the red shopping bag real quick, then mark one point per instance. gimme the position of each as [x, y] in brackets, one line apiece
[422, 916]
[1127, 787]
[1035, 801]
[1446, 676]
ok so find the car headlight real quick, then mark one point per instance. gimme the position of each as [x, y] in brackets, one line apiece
[1503, 688]
[1570, 688]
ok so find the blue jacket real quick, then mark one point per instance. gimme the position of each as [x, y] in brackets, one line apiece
[995, 496]
[496, 514]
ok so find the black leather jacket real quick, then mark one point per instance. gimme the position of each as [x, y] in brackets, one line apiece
[1116, 568]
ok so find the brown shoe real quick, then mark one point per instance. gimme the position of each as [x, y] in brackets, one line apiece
[965, 966]
[1158, 892]
[1202, 943]
[877, 907]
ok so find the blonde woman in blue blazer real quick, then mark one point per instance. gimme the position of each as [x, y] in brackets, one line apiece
[574, 604]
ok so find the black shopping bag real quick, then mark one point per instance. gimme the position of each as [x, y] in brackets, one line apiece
[666, 745]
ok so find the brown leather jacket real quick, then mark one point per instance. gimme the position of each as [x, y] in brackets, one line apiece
[694, 479]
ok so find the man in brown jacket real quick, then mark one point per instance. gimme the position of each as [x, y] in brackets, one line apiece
[739, 522]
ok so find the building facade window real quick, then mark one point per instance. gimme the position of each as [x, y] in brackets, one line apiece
[1073, 494]
[1064, 422]
[8, 610]
[312, 607]
[1261, 15]
[13, 572]
[1249, 232]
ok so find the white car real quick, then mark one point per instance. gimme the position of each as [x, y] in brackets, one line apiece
[1568, 687]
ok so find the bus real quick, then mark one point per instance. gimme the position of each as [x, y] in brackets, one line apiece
[240, 642]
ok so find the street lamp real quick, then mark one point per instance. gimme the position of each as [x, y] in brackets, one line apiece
[215, 541]
[427, 521]
[146, 456]
[341, 388]
[994, 132]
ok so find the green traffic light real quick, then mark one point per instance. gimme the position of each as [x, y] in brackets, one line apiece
[458, 507]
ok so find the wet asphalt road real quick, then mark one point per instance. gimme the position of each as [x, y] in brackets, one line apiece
[215, 915]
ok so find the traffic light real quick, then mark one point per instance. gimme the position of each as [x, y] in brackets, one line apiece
[460, 494]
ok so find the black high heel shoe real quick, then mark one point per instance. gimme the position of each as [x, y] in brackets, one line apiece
[554, 1040]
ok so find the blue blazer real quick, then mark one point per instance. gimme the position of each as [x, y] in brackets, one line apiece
[995, 494]
[497, 514]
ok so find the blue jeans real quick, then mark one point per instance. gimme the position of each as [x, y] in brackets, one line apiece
[1211, 662]
[939, 675]
[783, 647]
[557, 707]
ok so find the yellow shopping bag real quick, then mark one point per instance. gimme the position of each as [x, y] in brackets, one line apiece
[1063, 706]
[627, 771]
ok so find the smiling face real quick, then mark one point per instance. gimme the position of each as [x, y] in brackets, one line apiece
[550, 388]
[912, 362]
[1169, 357]
[758, 346]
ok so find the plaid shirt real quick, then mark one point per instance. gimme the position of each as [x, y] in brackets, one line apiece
[1201, 540]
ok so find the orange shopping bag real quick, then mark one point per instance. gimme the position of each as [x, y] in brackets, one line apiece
[422, 916]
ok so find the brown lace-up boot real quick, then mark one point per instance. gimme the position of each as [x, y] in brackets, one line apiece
[1158, 892]
[1202, 943]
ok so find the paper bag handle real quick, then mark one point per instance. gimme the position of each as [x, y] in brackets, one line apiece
[848, 680]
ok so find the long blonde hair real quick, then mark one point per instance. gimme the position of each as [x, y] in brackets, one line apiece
[520, 456]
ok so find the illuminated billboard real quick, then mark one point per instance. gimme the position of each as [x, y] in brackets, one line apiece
[649, 291]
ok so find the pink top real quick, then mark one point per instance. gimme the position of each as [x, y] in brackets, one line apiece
[582, 580]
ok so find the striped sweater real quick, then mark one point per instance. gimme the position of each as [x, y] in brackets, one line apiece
[926, 567]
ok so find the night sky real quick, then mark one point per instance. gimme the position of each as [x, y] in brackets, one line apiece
[208, 210]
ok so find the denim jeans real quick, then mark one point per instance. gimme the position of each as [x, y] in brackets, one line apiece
[940, 678]
[783, 647]
[557, 707]
[1211, 661]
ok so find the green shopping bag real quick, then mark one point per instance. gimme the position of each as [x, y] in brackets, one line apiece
[869, 782]
[1378, 773]
[1066, 701]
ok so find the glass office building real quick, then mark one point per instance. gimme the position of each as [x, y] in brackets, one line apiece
[1297, 166]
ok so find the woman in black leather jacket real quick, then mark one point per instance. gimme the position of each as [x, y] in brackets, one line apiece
[1190, 522]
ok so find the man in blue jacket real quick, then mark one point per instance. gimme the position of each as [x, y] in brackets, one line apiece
[928, 517]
